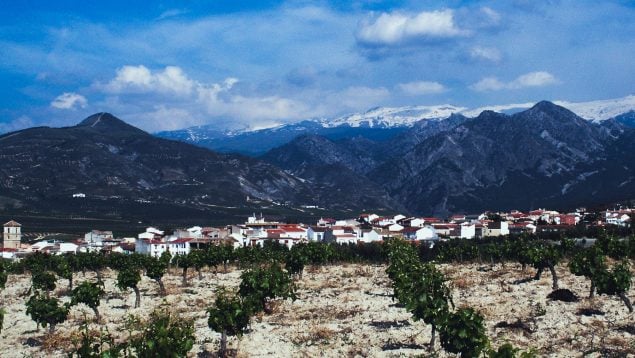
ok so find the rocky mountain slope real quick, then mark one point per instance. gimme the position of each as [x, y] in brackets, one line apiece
[546, 155]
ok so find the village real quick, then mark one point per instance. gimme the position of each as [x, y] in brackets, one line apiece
[366, 228]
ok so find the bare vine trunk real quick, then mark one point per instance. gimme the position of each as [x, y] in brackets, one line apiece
[161, 287]
[184, 282]
[626, 301]
[554, 276]
[223, 345]
[137, 301]
[432, 337]
[97, 315]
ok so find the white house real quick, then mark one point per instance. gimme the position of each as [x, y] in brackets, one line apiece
[67, 247]
[345, 238]
[97, 237]
[398, 217]
[499, 228]
[467, 231]
[426, 233]
[316, 233]
[40, 245]
[370, 235]
[395, 228]
[417, 222]
[151, 233]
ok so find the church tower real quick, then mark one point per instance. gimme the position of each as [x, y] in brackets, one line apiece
[12, 235]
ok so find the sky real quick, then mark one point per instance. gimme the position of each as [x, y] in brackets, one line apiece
[167, 65]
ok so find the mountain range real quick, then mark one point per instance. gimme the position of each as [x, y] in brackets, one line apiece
[105, 167]
[542, 156]
[376, 124]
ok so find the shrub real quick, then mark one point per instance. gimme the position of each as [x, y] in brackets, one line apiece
[464, 333]
[164, 335]
[615, 282]
[46, 311]
[264, 283]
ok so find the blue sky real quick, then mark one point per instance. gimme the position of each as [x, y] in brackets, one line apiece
[174, 64]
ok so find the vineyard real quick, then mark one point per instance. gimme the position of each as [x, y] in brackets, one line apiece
[519, 297]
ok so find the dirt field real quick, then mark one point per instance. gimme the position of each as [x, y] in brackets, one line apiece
[346, 311]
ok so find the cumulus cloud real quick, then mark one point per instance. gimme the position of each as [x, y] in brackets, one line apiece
[69, 100]
[171, 80]
[532, 79]
[421, 88]
[395, 28]
[184, 100]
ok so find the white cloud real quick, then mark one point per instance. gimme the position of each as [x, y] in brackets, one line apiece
[534, 79]
[141, 79]
[16, 124]
[69, 100]
[181, 96]
[531, 79]
[491, 54]
[421, 88]
[394, 28]
[489, 16]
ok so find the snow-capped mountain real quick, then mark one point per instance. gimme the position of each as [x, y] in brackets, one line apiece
[386, 117]
[599, 110]
[377, 124]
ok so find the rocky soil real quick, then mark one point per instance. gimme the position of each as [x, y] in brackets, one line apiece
[347, 310]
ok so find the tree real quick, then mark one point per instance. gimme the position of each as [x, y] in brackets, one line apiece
[129, 277]
[296, 260]
[228, 317]
[164, 335]
[226, 254]
[43, 280]
[88, 293]
[588, 263]
[420, 287]
[544, 255]
[464, 333]
[184, 262]
[615, 282]
[64, 270]
[264, 283]
[45, 310]
[95, 262]
[429, 298]
[156, 269]
[198, 260]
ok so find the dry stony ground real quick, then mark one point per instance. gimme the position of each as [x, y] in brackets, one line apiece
[347, 310]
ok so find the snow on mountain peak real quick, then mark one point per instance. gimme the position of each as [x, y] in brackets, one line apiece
[392, 117]
[602, 109]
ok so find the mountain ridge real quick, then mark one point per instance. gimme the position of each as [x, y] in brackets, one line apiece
[474, 164]
[379, 123]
